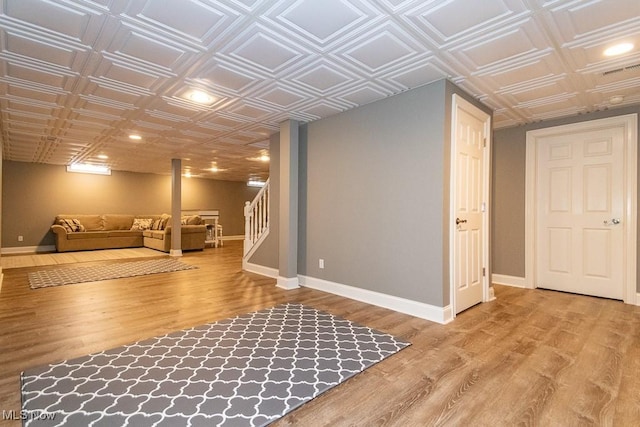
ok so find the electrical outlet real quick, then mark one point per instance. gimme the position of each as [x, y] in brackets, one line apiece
[20, 238]
[321, 263]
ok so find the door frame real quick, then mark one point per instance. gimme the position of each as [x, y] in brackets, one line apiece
[629, 123]
[459, 102]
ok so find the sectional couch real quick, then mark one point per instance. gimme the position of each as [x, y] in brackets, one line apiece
[111, 231]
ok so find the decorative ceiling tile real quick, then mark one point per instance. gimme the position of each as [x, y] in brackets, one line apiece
[473, 18]
[322, 22]
[363, 94]
[225, 78]
[280, 95]
[511, 77]
[515, 43]
[190, 21]
[267, 52]
[125, 75]
[77, 77]
[71, 21]
[384, 47]
[148, 50]
[42, 52]
[246, 111]
[576, 20]
[322, 77]
[417, 73]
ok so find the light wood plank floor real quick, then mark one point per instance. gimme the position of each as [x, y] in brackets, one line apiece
[531, 357]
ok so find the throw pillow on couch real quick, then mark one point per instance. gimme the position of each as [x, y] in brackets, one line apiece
[141, 224]
[71, 225]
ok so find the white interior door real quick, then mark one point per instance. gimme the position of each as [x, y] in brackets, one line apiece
[580, 212]
[470, 196]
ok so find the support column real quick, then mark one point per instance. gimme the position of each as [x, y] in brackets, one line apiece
[288, 235]
[176, 207]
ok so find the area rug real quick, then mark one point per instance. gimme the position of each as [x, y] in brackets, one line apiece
[67, 276]
[245, 371]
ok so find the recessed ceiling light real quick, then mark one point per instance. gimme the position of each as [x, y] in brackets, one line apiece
[135, 137]
[616, 99]
[618, 49]
[187, 174]
[200, 97]
[264, 158]
[103, 156]
[214, 169]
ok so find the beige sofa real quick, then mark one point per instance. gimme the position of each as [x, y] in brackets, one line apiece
[111, 231]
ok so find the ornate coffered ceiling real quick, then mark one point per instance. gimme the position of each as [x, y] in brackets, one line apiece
[77, 77]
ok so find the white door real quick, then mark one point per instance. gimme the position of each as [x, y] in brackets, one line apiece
[470, 197]
[580, 212]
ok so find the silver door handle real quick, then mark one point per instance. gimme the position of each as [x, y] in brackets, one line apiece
[460, 221]
[614, 221]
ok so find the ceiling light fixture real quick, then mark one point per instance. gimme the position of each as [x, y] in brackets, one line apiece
[135, 137]
[187, 174]
[255, 183]
[264, 158]
[200, 97]
[618, 49]
[88, 168]
[103, 156]
[616, 99]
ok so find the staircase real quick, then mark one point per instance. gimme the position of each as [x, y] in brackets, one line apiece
[256, 221]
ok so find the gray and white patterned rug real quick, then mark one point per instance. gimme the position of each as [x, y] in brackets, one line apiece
[246, 371]
[119, 270]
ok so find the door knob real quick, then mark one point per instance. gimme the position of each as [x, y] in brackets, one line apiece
[614, 221]
[460, 221]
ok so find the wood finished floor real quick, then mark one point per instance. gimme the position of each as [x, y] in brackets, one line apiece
[531, 357]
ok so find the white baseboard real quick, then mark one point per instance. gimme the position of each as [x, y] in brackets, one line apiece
[238, 237]
[260, 269]
[288, 283]
[637, 299]
[503, 279]
[27, 249]
[417, 309]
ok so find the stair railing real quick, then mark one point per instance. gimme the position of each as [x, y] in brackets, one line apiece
[256, 219]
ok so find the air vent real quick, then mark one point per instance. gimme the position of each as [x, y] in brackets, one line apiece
[617, 70]
[620, 70]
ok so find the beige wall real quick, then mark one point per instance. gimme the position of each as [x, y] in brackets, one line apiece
[33, 194]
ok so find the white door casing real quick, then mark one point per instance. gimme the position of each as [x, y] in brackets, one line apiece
[469, 237]
[581, 208]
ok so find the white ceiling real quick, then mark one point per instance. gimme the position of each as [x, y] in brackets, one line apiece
[77, 77]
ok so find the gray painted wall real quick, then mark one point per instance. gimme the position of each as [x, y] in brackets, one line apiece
[33, 194]
[509, 160]
[374, 196]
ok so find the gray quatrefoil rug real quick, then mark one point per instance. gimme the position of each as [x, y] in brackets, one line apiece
[245, 371]
[118, 270]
